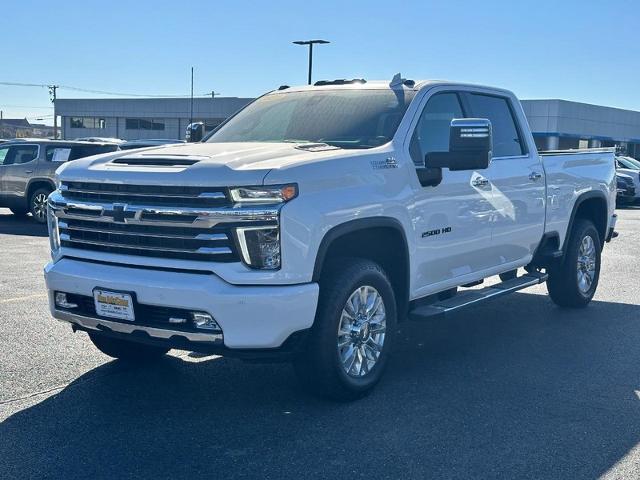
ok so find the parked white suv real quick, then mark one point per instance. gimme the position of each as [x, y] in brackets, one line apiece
[316, 219]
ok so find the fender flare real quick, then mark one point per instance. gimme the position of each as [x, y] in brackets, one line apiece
[32, 181]
[593, 194]
[360, 224]
[353, 226]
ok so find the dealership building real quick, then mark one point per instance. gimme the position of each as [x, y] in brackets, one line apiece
[556, 124]
[141, 118]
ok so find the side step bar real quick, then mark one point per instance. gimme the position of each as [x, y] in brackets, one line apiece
[474, 297]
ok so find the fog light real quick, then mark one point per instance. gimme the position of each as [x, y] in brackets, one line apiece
[205, 321]
[62, 302]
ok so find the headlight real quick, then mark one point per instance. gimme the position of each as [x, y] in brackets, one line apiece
[260, 246]
[54, 233]
[266, 194]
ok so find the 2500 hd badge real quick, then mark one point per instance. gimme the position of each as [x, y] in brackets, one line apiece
[437, 231]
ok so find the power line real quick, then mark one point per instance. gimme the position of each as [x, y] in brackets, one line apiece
[99, 92]
[22, 106]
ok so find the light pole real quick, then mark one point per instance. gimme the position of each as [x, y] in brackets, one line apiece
[310, 43]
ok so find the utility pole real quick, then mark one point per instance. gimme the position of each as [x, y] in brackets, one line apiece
[191, 110]
[52, 95]
[213, 94]
[311, 43]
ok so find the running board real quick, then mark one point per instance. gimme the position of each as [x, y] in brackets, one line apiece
[474, 297]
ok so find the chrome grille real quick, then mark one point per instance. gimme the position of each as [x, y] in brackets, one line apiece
[214, 244]
[190, 223]
[146, 194]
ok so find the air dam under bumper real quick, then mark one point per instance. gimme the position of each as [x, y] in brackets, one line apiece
[251, 317]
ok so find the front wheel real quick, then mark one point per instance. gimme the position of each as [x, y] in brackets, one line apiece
[353, 331]
[38, 204]
[573, 282]
[125, 350]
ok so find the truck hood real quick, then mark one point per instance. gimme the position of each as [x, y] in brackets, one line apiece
[207, 164]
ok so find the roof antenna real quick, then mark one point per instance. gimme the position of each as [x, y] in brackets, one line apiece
[396, 80]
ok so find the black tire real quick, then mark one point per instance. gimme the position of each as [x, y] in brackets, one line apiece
[320, 366]
[563, 285]
[19, 212]
[126, 350]
[37, 207]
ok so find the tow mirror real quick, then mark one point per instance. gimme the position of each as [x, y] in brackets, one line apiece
[470, 146]
[195, 132]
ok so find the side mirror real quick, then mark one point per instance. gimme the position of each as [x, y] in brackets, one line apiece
[195, 132]
[470, 146]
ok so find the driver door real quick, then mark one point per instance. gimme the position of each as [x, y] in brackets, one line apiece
[452, 220]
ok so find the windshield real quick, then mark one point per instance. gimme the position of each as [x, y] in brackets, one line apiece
[628, 162]
[342, 118]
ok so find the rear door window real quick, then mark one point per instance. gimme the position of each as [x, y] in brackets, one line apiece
[58, 154]
[62, 153]
[81, 151]
[507, 141]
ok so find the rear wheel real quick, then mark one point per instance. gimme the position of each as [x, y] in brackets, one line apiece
[19, 212]
[125, 350]
[573, 282]
[352, 334]
[38, 204]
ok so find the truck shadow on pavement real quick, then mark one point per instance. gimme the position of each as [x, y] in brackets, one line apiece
[12, 225]
[514, 389]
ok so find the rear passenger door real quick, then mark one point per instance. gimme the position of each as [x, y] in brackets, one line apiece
[516, 181]
[18, 166]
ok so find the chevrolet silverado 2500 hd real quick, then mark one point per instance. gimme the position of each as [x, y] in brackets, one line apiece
[315, 219]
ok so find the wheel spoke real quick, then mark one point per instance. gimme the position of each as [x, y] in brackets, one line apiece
[361, 331]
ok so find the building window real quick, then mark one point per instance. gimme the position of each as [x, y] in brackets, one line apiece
[144, 124]
[87, 122]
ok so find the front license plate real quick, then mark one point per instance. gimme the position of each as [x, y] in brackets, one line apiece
[114, 305]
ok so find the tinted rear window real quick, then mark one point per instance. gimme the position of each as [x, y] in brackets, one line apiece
[506, 138]
[62, 153]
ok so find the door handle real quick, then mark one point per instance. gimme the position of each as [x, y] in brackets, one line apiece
[480, 182]
[535, 176]
[28, 171]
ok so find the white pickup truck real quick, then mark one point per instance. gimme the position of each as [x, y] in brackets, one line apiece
[317, 218]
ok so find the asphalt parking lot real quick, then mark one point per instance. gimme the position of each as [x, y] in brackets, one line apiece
[516, 389]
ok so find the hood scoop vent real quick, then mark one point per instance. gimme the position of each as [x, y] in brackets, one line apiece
[155, 161]
[316, 147]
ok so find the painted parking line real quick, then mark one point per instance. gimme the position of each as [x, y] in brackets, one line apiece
[27, 297]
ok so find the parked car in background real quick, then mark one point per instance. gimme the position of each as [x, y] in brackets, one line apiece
[27, 170]
[626, 189]
[631, 167]
[100, 140]
[318, 217]
[152, 142]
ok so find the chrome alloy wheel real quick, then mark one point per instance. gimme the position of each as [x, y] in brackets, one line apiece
[586, 264]
[361, 331]
[40, 207]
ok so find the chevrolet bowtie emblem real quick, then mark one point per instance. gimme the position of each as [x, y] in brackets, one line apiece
[120, 213]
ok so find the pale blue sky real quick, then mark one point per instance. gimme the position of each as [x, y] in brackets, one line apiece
[577, 50]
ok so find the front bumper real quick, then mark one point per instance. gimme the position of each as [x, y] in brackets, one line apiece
[251, 317]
